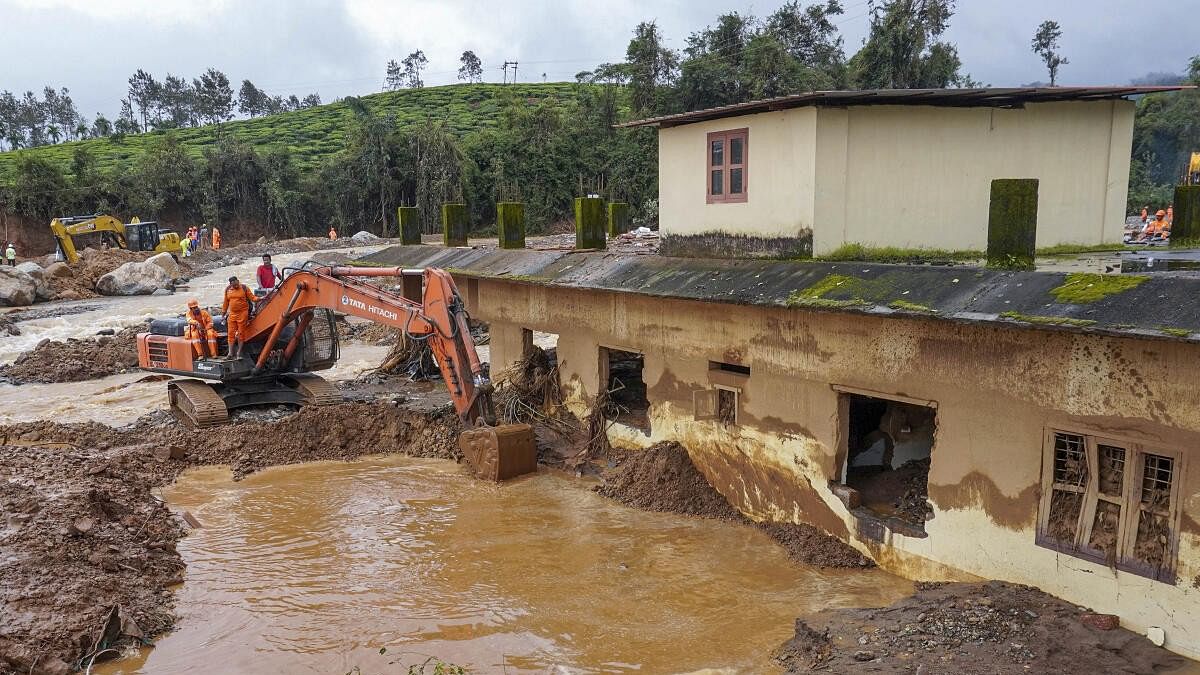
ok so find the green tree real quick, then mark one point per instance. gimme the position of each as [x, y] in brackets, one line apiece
[37, 186]
[652, 67]
[414, 63]
[471, 69]
[143, 93]
[811, 37]
[1045, 45]
[902, 50]
[214, 96]
[394, 79]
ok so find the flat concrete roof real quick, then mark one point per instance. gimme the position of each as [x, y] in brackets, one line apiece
[994, 97]
[1146, 306]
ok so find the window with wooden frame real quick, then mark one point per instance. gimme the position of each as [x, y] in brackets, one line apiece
[1112, 502]
[720, 403]
[728, 154]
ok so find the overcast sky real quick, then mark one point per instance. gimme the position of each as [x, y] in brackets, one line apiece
[340, 47]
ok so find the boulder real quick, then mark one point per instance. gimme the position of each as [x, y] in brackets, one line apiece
[364, 237]
[134, 278]
[41, 281]
[168, 263]
[17, 289]
[163, 291]
[68, 295]
[60, 270]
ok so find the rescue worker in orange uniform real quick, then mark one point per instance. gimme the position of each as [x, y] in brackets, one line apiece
[1157, 226]
[216, 238]
[332, 233]
[200, 330]
[239, 300]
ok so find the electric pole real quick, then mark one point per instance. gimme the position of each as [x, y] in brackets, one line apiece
[514, 68]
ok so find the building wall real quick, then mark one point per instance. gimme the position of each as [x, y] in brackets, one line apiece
[921, 176]
[996, 389]
[778, 215]
[905, 176]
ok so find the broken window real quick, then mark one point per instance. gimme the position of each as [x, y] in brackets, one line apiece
[621, 373]
[1111, 502]
[888, 450]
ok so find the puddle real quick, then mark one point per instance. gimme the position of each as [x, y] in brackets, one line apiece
[314, 568]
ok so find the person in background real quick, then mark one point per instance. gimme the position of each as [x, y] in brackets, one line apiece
[1156, 227]
[204, 241]
[268, 274]
[332, 233]
[185, 247]
[1170, 214]
[238, 302]
[200, 328]
[216, 238]
[10, 254]
[1145, 214]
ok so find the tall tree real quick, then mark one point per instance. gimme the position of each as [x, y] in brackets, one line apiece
[394, 79]
[711, 75]
[312, 100]
[811, 37]
[1045, 45]
[651, 66]
[471, 69]
[414, 63]
[902, 50]
[250, 99]
[101, 127]
[143, 92]
[178, 101]
[214, 96]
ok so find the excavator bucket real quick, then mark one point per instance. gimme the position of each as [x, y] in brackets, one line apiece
[499, 453]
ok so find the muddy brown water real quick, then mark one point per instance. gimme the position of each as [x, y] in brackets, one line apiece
[314, 568]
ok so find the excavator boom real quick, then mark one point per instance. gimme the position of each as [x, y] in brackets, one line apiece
[279, 327]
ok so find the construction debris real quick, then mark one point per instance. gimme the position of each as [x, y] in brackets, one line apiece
[76, 360]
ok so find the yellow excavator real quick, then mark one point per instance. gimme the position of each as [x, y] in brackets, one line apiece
[1193, 173]
[134, 236]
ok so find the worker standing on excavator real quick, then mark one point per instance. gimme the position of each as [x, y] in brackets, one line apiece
[238, 301]
[200, 329]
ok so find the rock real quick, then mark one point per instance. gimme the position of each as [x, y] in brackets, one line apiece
[864, 656]
[106, 331]
[1156, 635]
[60, 270]
[163, 291]
[42, 288]
[17, 289]
[68, 295]
[82, 525]
[364, 237]
[134, 278]
[168, 263]
[261, 240]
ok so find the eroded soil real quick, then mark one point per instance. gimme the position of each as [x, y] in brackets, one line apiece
[951, 629]
[81, 532]
[75, 360]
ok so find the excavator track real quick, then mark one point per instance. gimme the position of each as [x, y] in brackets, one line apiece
[315, 389]
[196, 403]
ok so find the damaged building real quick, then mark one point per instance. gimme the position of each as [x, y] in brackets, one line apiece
[953, 422]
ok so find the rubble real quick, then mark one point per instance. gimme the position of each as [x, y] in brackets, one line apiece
[950, 629]
[76, 360]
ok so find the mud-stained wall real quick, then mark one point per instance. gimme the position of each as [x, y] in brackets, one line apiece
[996, 388]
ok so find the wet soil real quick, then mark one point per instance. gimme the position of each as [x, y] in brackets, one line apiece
[663, 478]
[93, 265]
[75, 360]
[950, 629]
[902, 493]
[81, 532]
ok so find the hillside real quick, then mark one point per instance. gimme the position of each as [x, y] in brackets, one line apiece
[314, 133]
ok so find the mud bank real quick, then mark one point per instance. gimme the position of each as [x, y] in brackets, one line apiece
[75, 360]
[663, 478]
[949, 629]
[81, 532]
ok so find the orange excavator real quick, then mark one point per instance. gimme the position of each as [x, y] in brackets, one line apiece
[292, 333]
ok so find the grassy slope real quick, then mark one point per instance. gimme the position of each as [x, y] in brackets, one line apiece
[315, 133]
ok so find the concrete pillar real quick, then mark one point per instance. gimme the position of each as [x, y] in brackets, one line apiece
[454, 224]
[589, 223]
[1012, 223]
[618, 218]
[1185, 227]
[506, 345]
[410, 224]
[510, 224]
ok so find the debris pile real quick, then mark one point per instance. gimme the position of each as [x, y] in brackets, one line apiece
[528, 390]
[947, 629]
[75, 360]
[79, 280]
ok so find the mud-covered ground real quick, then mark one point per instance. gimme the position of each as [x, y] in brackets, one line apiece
[955, 629]
[81, 532]
[663, 478]
[75, 360]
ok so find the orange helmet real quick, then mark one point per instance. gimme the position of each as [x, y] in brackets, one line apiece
[1160, 212]
[193, 304]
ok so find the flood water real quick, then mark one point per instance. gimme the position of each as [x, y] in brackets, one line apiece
[314, 568]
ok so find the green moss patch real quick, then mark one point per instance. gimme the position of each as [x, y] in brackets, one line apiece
[843, 290]
[891, 254]
[1084, 287]
[911, 307]
[1046, 320]
[1175, 332]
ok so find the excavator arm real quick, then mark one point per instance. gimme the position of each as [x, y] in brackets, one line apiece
[68, 227]
[440, 318]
